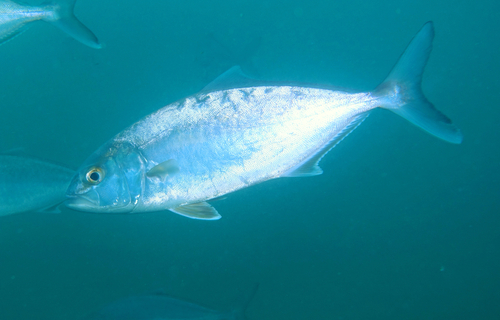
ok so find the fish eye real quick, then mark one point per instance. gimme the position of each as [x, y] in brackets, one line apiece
[95, 175]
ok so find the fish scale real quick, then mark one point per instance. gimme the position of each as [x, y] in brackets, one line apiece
[265, 128]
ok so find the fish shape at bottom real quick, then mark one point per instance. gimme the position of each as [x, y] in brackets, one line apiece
[164, 307]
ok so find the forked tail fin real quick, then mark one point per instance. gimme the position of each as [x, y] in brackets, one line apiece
[401, 91]
[65, 20]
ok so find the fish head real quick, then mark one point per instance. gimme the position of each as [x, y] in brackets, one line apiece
[110, 181]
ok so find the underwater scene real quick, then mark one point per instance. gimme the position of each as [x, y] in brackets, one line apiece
[215, 160]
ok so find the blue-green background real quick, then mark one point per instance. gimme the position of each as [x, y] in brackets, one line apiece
[401, 225]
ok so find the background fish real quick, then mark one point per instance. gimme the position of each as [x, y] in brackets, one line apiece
[14, 18]
[29, 184]
[163, 307]
[223, 140]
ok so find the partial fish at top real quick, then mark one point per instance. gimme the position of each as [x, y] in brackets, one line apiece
[15, 17]
[231, 136]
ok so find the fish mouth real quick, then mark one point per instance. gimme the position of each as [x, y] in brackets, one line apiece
[80, 203]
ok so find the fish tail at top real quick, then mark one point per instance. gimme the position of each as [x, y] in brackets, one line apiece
[401, 91]
[65, 20]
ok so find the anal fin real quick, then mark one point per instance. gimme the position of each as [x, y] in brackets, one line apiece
[307, 169]
[310, 167]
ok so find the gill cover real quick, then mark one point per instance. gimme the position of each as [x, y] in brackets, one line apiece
[110, 181]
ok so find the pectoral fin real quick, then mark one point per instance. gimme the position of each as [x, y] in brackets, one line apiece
[163, 170]
[200, 210]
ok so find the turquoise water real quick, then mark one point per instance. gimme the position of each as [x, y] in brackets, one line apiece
[400, 226]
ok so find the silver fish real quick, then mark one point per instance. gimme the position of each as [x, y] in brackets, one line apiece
[225, 139]
[15, 17]
[29, 184]
[164, 307]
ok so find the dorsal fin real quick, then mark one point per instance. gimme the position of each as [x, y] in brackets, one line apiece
[19, 151]
[232, 78]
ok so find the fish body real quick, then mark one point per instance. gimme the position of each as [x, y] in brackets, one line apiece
[225, 139]
[15, 17]
[158, 307]
[29, 184]
[163, 307]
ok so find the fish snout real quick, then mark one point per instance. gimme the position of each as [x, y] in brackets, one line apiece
[82, 202]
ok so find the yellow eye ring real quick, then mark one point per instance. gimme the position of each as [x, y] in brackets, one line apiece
[95, 175]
